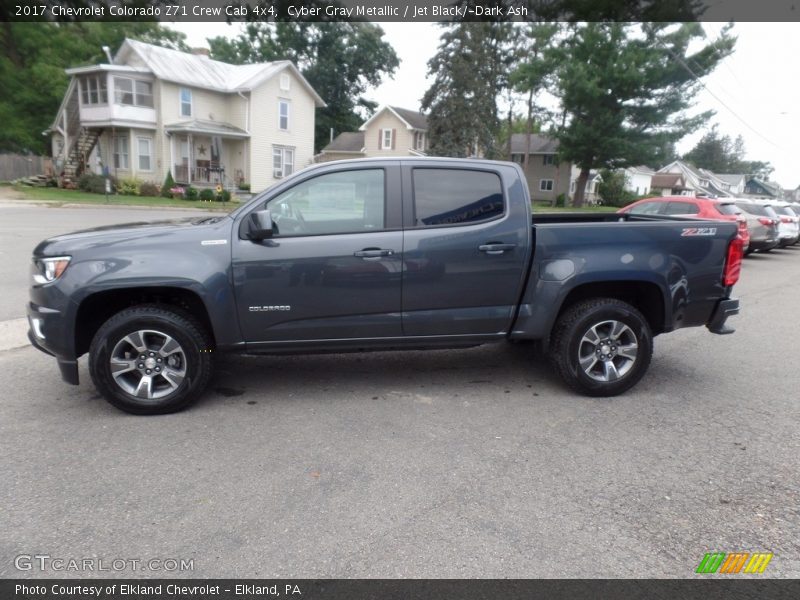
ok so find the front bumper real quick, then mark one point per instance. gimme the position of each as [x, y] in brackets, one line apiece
[724, 309]
[50, 331]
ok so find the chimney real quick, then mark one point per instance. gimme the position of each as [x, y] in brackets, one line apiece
[200, 52]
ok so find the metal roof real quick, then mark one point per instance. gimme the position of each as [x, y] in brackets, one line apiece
[218, 128]
[198, 70]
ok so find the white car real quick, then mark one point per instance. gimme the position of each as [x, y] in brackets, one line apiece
[789, 226]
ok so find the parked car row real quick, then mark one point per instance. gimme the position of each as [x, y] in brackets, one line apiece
[763, 224]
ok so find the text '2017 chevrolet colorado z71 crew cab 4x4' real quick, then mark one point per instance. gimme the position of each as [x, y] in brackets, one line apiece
[376, 254]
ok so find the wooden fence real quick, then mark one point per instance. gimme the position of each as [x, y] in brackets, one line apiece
[14, 166]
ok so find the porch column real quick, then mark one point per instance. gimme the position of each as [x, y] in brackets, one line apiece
[171, 139]
[191, 154]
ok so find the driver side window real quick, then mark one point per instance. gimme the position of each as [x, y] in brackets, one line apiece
[344, 202]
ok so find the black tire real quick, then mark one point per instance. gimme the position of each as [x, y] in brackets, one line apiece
[182, 374]
[569, 342]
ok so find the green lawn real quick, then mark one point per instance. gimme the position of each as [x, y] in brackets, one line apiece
[59, 197]
[540, 208]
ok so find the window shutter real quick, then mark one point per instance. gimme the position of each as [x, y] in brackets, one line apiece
[394, 136]
[380, 139]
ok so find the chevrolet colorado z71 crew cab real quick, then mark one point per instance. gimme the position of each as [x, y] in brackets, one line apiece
[376, 254]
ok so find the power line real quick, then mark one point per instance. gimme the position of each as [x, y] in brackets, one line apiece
[713, 95]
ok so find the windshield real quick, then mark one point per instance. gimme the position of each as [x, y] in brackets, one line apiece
[728, 209]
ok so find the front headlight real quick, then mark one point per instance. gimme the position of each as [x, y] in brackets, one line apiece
[49, 269]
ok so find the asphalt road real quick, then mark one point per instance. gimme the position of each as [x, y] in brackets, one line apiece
[470, 463]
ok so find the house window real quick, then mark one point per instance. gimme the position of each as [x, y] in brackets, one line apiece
[419, 141]
[545, 185]
[387, 139]
[144, 147]
[186, 102]
[285, 82]
[283, 115]
[93, 90]
[143, 93]
[133, 92]
[121, 152]
[548, 159]
[282, 161]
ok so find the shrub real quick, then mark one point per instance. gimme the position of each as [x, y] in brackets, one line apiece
[169, 185]
[206, 195]
[94, 184]
[129, 187]
[245, 187]
[190, 193]
[223, 196]
[148, 188]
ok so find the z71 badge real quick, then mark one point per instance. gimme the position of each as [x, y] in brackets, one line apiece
[695, 231]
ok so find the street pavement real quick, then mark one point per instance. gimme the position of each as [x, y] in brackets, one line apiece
[449, 463]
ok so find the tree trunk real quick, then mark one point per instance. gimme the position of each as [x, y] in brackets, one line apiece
[528, 132]
[580, 188]
[510, 129]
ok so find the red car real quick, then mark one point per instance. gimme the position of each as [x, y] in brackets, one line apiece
[723, 209]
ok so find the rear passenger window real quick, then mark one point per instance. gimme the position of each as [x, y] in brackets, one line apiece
[727, 209]
[646, 208]
[455, 197]
[681, 208]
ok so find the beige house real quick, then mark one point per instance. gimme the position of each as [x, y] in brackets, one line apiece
[547, 178]
[151, 110]
[391, 131]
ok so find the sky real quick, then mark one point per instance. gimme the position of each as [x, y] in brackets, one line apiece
[755, 92]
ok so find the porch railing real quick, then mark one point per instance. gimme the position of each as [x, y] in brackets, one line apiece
[208, 174]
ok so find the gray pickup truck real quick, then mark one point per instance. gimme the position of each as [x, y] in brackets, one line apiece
[376, 254]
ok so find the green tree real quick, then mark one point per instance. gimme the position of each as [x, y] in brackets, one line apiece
[340, 61]
[625, 89]
[722, 154]
[533, 73]
[612, 189]
[33, 57]
[470, 70]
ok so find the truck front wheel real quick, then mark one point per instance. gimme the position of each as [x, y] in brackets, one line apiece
[601, 347]
[150, 359]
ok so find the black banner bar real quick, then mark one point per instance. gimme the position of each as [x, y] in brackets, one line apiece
[399, 10]
[729, 588]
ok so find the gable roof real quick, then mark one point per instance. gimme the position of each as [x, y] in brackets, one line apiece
[348, 141]
[642, 169]
[412, 119]
[731, 178]
[668, 180]
[540, 144]
[202, 72]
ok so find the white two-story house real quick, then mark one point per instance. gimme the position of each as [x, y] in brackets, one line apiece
[151, 110]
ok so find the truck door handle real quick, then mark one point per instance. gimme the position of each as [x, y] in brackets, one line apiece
[373, 253]
[496, 248]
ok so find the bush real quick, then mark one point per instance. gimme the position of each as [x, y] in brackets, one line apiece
[245, 187]
[129, 187]
[612, 189]
[223, 196]
[190, 193]
[169, 184]
[206, 195]
[149, 188]
[94, 184]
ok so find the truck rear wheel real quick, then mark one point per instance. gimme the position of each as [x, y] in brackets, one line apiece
[150, 359]
[601, 347]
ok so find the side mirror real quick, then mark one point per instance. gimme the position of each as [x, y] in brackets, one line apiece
[260, 225]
